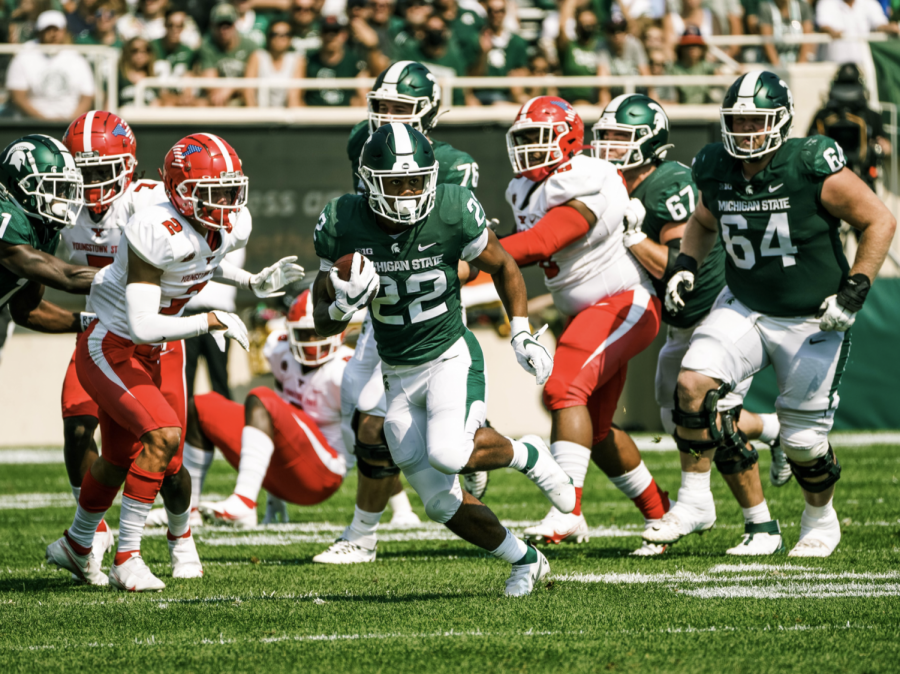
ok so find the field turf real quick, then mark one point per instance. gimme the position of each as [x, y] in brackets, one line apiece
[432, 603]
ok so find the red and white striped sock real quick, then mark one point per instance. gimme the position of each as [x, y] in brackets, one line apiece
[638, 485]
[94, 500]
[141, 488]
[574, 459]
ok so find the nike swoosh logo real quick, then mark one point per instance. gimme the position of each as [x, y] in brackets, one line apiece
[816, 341]
[355, 300]
[421, 247]
[773, 188]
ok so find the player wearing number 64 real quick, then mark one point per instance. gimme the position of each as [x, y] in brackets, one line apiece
[414, 231]
[790, 299]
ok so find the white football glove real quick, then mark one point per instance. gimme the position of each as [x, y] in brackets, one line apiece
[633, 221]
[351, 296]
[270, 280]
[532, 356]
[834, 317]
[234, 329]
[681, 282]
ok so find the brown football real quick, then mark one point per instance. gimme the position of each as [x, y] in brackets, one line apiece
[343, 264]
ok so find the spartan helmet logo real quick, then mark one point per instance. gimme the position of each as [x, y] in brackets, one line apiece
[395, 248]
[19, 154]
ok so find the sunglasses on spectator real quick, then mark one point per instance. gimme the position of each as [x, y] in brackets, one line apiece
[104, 14]
[303, 9]
[140, 50]
[174, 26]
[225, 24]
[280, 34]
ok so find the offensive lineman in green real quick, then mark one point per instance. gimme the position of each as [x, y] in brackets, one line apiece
[40, 193]
[407, 234]
[406, 93]
[633, 133]
[790, 298]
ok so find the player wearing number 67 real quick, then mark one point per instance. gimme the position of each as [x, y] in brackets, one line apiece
[409, 232]
[790, 299]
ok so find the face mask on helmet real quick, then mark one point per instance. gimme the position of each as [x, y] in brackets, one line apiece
[534, 145]
[402, 196]
[623, 151]
[750, 133]
[419, 108]
[105, 178]
[217, 201]
[309, 349]
[57, 197]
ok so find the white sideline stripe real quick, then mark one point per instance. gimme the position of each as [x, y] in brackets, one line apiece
[696, 578]
[56, 500]
[796, 591]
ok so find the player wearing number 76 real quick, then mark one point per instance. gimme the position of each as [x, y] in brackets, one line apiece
[790, 299]
[412, 233]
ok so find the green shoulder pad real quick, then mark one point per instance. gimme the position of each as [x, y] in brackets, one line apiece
[358, 136]
[455, 167]
[15, 227]
[820, 156]
[707, 164]
[326, 236]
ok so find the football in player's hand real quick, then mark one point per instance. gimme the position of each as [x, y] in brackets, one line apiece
[343, 265]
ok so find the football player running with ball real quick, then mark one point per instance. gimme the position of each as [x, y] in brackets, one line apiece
[790, 298]
[633, 134]
[406, 235]
[172, 251]
[406, 93]
[568, 212]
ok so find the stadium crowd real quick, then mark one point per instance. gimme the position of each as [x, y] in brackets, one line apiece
[360, 38]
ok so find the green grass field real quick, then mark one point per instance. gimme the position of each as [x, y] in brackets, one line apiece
[432, 603]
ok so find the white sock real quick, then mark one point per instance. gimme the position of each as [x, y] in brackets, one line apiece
[511, 550]
[694, 489]
[197, 462]
[771, 428]
[84, 526]
[819, 513]
[178, 524]
[256, 452]
[634, 482]
[76, 491]
[573, 458]
[362, 529]
[131, 524]
[520, 455]
[757, 514]
[399, 503]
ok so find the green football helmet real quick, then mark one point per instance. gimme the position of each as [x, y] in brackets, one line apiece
[406, 82]
[645, 121]
[757, 93]
[40, 174]
[399, 151]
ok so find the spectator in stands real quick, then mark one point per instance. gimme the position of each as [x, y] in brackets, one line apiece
[465, 25]
[728, 13]
[692, 13]
[580, 57]
[385, 25]
[653, 36]
[56, 86]
[634, 11]
[363, 38]
[849, 19]
[621, 53]
[334, 60]
[783, 18]
[249, 23]
[659, 64]
[305, 21]
[135, 65]
[103, 32]
[691, 53]
[149, 21]
[224, 53]
[440, 52]
[82, 19]
[539, 66]
[415, 14]
[173, 58]
[276, 61]
[504, 54]
[23, 20]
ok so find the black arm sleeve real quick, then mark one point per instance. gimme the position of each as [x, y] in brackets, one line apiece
[674, 247]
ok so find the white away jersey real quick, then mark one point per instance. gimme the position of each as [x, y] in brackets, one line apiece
[317, 391]
[95, 244]
[162, 237]
[597, 265]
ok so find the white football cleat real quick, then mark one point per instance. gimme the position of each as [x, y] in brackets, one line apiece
[103, 542]
[476, 483]
[343, 551]
[276, 510]
[525, 576]
[549, 477]
[819, 540]
[232, 512]
[649, 549]
[557, 527]
[779, 469]
[183, 553]
[134, 576]
[759, 539]
[159, 517]
[83, 567]
[679, 522]
[405, 519]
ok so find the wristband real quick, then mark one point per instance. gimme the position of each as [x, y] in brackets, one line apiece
[853, 292]
[335, 314]
[85, 318]
[519, 324]
[685, 263]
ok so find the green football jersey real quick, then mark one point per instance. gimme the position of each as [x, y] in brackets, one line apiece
[417, 314]
[455, 167]
[669, 195]
[16, 228]
[784, 253]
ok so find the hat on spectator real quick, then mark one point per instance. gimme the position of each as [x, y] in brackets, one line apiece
[223, 13]
[52, 18]
[692, 37]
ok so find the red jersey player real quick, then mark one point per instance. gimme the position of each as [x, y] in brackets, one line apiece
[172, 250]
[568, 211]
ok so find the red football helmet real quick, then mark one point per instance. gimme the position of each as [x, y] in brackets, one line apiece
[547, 132]
[104, 149]
[203, 179]
[307, 346]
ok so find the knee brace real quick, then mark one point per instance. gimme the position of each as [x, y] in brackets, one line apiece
[366, 452]
[732, 456]
[825, 466]
[704, 419]
[443, 506]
